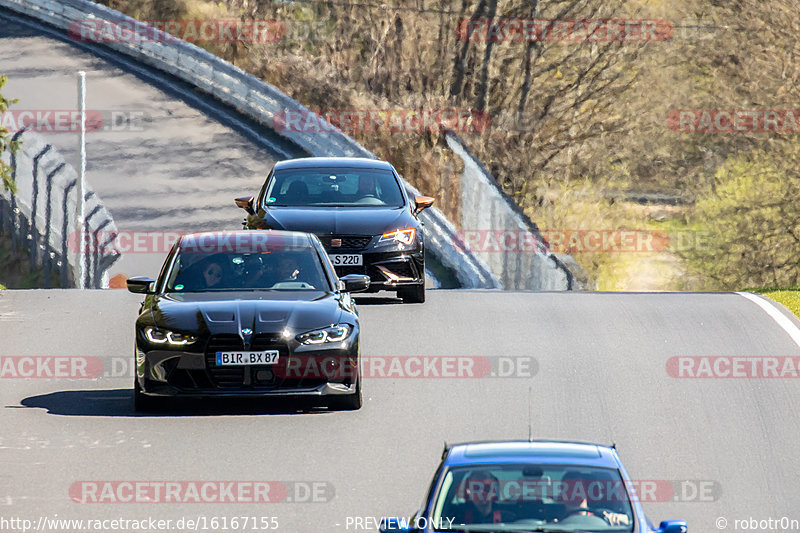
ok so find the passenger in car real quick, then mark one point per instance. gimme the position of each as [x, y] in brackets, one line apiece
[481, 491]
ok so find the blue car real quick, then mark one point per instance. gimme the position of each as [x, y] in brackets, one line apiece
[531, 486]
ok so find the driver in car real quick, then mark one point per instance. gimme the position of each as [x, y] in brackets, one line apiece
[481, 491]
[367, 187]
[287, 269]
[580, 497]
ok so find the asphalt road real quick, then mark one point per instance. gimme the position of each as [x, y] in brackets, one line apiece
[600, 363]
[167, 158]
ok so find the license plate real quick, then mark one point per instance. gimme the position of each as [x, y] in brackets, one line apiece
[347, 259]
[269, 357]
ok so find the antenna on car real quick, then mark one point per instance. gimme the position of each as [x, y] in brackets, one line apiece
[530, 415]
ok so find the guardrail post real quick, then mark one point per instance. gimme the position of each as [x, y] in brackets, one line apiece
[80, 221]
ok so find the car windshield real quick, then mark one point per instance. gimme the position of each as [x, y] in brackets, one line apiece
[525, 497]
[287, 269]
[334, 187]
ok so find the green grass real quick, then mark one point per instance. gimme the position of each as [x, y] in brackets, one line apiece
[789, 298]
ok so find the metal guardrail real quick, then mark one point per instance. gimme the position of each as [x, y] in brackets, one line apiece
[486, 208]
[254, 98]
[40, 216]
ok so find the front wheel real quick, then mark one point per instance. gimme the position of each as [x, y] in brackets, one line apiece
[414, 294]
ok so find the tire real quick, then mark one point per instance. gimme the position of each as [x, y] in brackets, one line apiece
[415, 294]
[351, 402]
[142, 402]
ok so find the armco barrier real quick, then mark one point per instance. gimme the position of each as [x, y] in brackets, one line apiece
[485, 207]
[256, 99]
[41, 214]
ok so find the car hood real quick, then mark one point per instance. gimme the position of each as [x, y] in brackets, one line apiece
[339, 220]
[259, 311]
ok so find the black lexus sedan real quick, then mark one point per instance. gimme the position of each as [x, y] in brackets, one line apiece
[359, 210]
[248, 313]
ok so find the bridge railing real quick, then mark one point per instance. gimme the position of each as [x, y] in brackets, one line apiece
[486, 209]
[40, 217]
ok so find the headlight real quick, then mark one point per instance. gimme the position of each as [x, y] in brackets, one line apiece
[403, 236]
[319, 336]
[162, 336]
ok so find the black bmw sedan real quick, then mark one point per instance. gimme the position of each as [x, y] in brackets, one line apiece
[248, 313]
[359, 210]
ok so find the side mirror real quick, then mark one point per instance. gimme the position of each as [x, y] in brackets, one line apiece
[246, 203]
[422, 202]
[355, 282]
[672, 526]
[394, 525]
[141, 285]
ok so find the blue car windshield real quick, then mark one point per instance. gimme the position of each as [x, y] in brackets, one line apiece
[523, 497]
[333, 187]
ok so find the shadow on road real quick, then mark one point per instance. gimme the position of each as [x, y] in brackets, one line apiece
[377, 300]
[119, 402]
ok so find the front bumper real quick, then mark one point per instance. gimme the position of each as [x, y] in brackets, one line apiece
[308, 371]
[387, 270]
[326, 389]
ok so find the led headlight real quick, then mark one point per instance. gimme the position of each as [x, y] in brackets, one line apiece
[162, 336]
[403, 236]
[318, 336]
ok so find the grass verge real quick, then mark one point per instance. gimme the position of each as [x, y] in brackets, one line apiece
[789, 298]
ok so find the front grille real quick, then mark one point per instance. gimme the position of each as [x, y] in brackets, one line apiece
[238, 377]
[224, 377]
[349, 242]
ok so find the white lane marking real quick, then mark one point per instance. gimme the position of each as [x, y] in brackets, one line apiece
[782, 320]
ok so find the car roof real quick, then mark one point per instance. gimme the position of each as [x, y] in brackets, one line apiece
[342, 162]
[221, 241]
[534, 452]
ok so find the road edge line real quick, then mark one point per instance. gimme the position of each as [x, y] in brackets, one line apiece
[782, 320]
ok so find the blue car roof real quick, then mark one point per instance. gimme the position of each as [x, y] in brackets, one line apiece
[535, 452]
[342, 162]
